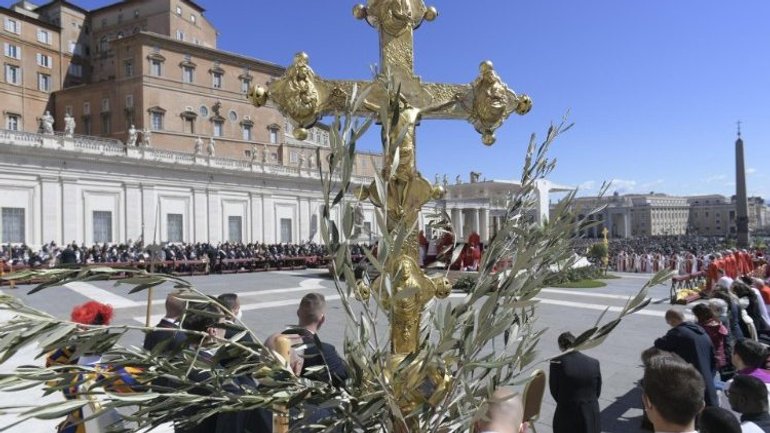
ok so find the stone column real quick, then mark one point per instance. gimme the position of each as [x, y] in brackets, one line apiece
[72, 211]
[51, 207]
[477, 221]
[484, 233]
[458, 221]
[214, 216]
[304, 219]
[150, 219]
[257, 233]
[200, 216]
[268, 219]
[132, 215]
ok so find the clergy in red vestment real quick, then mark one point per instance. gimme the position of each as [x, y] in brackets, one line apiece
[474, 239]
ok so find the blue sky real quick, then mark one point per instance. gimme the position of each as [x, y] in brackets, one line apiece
[654, 87]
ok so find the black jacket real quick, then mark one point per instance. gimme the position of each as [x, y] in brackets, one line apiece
[337, 368]
[576, 384]
[691, 342]
[249, 421]
[173, 341]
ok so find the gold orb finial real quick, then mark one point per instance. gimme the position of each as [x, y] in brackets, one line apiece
[488, 138]
[300, 134]
[524, 105]
[431, 14]
[437, 193]
[360, 12]
[301, 57]
[258, 95]
[486, 66]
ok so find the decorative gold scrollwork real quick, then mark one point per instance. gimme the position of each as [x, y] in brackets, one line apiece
[296, 93]
[395, 17]
[493, 102]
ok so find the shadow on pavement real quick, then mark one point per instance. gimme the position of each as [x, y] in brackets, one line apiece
[615, 417]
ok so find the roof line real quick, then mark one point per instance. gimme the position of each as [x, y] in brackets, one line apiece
[274, 67]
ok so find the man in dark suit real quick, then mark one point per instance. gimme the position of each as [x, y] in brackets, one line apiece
[691, 342]
[171, 341]
[575, 383]
[208, 373]
[312, 315]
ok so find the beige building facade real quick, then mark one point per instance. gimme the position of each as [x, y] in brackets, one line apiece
[32, 68]
[663, 215]
[165, 144]
[153, 64]
[714, 215]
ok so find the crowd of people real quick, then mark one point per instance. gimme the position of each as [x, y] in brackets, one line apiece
[189, 323]
[682, 254]
[217, 257]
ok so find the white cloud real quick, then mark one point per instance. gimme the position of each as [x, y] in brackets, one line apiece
[651, 185]
[750, 171]
[587, 185]
[622, 185]
[716, 178]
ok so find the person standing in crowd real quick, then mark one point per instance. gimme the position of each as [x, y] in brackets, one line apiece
[233, 305]
[750, 358]
[576, 384]
[672, 395]
[763, 289]
[717, 334]
[91, 313]
[732, 314]
[748, 397]
[691, 342]
[312, 315]
[756, 309]
[724, 281]
[166, 330]
[233, 314]
[718, 420]
[208, 320]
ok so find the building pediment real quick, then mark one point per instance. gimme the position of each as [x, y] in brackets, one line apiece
[156, 56]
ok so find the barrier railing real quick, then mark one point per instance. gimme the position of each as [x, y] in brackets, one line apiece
[190, 267]
[115, 148]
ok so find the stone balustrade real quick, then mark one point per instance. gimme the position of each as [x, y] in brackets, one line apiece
[112, 148]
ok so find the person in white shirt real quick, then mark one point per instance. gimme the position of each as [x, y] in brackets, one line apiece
[723, 281]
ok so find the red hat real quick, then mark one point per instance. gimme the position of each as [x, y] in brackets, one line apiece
[92, 313]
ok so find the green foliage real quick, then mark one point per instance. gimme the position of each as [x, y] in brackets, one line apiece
[598, 252]
[571, 275]
[581, 284]
[465, 283]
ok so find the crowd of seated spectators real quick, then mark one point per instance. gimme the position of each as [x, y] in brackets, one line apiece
[168, 257]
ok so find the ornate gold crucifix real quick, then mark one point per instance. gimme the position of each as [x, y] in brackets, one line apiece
[486, 102]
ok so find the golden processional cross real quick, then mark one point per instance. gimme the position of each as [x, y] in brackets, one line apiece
[486, 102]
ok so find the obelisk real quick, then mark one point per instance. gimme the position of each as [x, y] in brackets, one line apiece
[741, 201]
